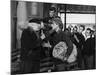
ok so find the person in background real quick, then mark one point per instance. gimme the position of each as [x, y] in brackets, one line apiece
[94, 48]
[78, 40]
[89, 50]
[52, 15]
[75, 29]
[70, 27]
[68, 32]
[75, 34]
[81, 37]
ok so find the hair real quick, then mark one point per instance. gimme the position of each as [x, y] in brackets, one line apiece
[92, 31]
[35, 20]
[76, 27]
[58, 22]
[82, 27]
[89, 30]
[69, 28]
[66, 29]
[52, 9]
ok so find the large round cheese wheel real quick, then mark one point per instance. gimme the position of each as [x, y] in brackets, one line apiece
[60, 50]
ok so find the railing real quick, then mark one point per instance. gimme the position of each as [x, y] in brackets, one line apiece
[15, 60]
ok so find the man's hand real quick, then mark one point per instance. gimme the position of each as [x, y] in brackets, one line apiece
[42, 25]
[65, 58]
[42, 36]
[47, 45]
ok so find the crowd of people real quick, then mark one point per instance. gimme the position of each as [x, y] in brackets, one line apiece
[46, 38]
[86, 45]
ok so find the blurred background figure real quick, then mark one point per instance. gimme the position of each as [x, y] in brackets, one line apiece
[94, 48]
[75, 29]
[52, 12]
[78, 40]
[89, 50]
[51, 16]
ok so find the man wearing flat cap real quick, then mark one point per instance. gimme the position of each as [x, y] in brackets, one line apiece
[31, 47]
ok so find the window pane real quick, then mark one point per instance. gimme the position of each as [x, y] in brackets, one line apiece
[63, 17]
[80, 18]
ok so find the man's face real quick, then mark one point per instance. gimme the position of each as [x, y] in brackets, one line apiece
[54, 26]
[74, 29]
[51, 13]
[80, 29]
[87, 33]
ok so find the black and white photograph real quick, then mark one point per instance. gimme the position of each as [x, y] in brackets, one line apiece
[52, 37]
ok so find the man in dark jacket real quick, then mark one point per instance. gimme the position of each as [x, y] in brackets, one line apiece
[89, 50]
[59, 37]
[79, 40]
[31, 47]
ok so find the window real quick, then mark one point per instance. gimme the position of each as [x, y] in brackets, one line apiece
[77, 14]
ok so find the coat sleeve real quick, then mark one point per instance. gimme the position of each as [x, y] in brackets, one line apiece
[69, 44]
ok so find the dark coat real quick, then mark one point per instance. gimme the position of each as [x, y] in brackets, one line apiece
[89, 47]
[30, 45]
[81, 40]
